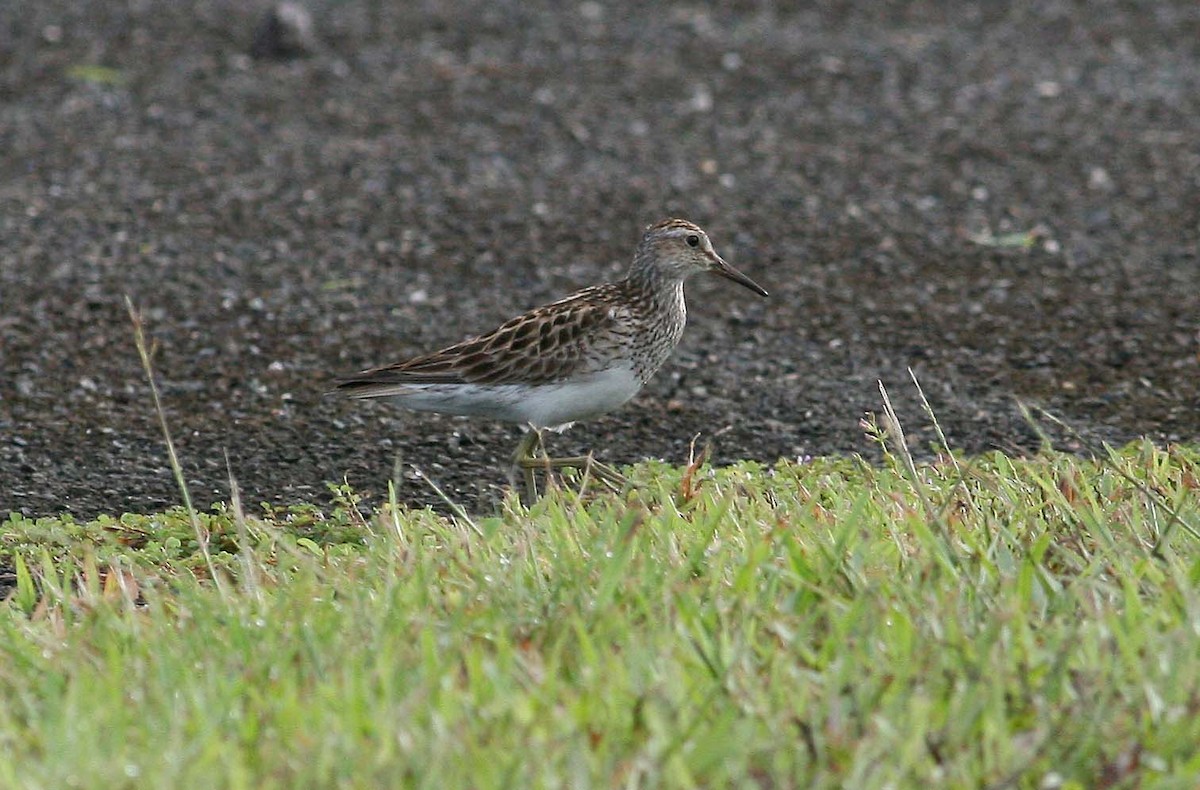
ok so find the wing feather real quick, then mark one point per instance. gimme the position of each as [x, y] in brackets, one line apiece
[544, 345]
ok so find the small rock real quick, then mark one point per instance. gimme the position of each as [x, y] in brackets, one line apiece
[1099, 180]
[591, 11]
[285, 31]
[1049, 89]
[702, 99]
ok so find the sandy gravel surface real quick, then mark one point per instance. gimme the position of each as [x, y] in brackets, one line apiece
[1003, 196]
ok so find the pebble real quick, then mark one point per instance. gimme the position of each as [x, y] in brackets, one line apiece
[284, 31]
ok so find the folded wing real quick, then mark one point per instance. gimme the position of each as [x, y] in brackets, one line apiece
[545, 345]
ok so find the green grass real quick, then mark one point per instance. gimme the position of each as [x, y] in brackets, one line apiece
[1024, 623]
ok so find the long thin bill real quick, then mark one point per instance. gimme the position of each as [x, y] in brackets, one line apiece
[730, 273]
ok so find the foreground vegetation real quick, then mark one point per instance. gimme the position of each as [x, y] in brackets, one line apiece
[997, 622]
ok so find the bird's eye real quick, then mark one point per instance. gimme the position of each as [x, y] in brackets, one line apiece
[693, 240]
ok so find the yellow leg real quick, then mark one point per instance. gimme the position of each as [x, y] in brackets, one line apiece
[523, 460]
[527, 459]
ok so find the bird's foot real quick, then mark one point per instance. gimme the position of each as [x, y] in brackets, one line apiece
[526, 462]
[585, 464]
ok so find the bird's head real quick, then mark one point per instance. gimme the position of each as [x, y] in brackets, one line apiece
[675, 249]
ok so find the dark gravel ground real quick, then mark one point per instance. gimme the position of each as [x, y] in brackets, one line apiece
[430, 169]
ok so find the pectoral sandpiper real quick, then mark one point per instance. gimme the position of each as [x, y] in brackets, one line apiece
[570, 360]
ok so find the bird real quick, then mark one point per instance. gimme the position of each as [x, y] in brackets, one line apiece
[564, 362]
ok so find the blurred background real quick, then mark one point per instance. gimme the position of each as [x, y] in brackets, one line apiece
[1003, 196]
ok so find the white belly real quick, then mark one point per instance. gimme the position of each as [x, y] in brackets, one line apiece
[544, 406]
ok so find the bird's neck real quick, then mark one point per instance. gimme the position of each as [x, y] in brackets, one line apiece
[648, 277]
[658, 309]
[652, 287]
